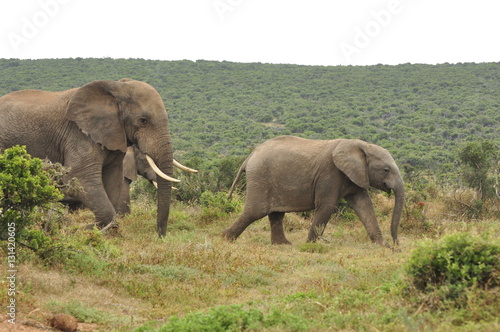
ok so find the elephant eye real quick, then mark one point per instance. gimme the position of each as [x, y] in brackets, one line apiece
[387, 170]
[143, 121]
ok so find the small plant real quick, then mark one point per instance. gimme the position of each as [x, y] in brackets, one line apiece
[454, 264]
[313, 247]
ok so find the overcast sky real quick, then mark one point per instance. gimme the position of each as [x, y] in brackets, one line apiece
[310, 32]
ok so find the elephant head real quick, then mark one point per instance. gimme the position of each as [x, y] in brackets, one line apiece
[117, 114]
[371, 165]
[134, 163]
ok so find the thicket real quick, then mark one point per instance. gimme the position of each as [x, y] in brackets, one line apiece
[440, 122]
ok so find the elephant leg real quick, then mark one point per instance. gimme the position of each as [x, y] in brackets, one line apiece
[115, 184]
[95, 198]
[123, 206]
[93, 195]
[320, 219]
[363, 206]
[235, 230]
[277, 232]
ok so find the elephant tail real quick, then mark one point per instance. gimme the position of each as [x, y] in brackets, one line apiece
[237, 178]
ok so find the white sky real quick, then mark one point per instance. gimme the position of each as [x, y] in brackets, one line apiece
[311, 32]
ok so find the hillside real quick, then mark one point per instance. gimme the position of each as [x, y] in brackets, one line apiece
[420, 113]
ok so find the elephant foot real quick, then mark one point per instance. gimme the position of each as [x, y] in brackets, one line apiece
[311, 239]
[394, 248]
[380, 240]
[112, 225]
[322, 239]
[90, 227]
[280, 241]
[226, 234]
[103, 228]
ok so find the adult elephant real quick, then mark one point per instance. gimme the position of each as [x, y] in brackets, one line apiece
[88, 130]
[292, 174]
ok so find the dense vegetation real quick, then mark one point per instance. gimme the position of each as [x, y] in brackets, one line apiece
[437, 121]
[420, 113]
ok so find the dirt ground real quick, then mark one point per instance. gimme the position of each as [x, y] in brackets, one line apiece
[32, 325]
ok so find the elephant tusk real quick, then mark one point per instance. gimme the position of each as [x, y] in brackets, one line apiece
[159, 172]
[184, 168]
[156, 186]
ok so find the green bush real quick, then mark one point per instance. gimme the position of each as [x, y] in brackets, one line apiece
[23, 186]
[217, 205]
[455, 263]
[231, 318]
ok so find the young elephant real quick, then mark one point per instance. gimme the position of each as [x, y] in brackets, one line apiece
[292, 174]
[134, 163]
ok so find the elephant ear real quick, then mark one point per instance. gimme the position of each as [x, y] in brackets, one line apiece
[129, 164]
[350, 158]
[95, 109]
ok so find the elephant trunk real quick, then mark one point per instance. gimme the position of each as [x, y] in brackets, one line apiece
[399, 192]
[162, 156]
[164, 190]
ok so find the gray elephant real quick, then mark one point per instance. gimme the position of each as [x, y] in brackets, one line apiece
[292, 174]
[88, 130]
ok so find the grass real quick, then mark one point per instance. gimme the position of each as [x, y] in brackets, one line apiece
[134, 280]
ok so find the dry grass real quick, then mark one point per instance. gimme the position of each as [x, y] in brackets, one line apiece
[344, 280]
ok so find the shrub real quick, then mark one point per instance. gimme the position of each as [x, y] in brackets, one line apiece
[217, 205]
[232, 318]
[477, 159]
[23, 186]
[464, 203]
[455, 263]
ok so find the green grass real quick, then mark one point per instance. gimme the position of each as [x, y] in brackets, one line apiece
[133, 280]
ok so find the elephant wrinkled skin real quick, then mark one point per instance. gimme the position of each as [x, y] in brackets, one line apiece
[88, 130]
[292, 174]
